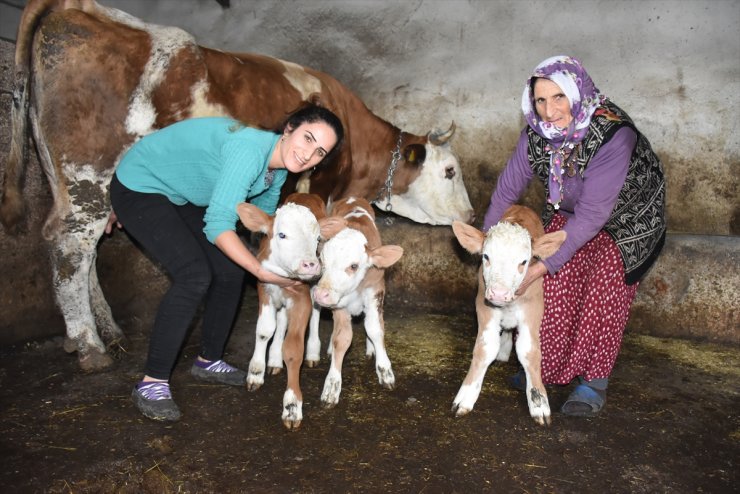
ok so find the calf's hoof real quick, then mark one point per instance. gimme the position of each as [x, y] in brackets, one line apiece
[311, 363]
[460, 411]
[274, 371]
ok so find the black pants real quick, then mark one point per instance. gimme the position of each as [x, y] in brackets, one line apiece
[199, 271]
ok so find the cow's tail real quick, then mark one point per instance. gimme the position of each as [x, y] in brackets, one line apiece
[11, 206]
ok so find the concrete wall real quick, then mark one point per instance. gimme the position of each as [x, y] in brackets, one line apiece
[672, 64]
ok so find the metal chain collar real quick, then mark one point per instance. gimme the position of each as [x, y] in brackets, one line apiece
[388, 186]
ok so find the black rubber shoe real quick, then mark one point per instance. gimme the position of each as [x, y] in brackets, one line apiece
[155, 401]
[219, 372]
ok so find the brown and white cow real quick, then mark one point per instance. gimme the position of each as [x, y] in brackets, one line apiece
[352, 283]
[507, 250]
[288, 248]
[91, 80]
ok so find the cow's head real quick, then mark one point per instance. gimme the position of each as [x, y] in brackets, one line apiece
[436, 193]
[292, 239]
[507, 249]
[346, 261]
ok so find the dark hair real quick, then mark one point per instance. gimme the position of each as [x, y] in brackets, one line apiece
[312, 113]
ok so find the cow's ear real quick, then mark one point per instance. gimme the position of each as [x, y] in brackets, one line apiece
[469, 236]
[331, 225]
[548, 244]
[415, 154]
[385, 256]
[254, 218]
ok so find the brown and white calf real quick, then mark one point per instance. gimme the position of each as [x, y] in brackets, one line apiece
[507, 251]
[352, 283]
[288, 249]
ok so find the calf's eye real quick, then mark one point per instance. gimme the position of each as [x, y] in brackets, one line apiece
[281, 235]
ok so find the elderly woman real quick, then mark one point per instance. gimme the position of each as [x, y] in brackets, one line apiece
[605, 188]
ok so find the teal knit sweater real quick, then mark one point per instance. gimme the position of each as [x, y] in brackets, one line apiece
[211, 162]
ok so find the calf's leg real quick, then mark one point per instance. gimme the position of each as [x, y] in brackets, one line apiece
[528, 352]
[340, 340]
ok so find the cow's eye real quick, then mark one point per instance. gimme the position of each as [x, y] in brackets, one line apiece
[281, 235]
[523, 262]
[485, 257]
[354, 266]
[449, 172]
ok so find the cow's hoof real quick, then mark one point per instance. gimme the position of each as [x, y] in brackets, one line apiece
[253, 385]
[292, 425]
[311, 363]
[460, 411]
[274, 371]
[327, 404]
[70, 346]
[543, 420]
[94, 361]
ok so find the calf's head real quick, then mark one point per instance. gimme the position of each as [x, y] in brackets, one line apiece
[507, 250]
[292, 239]
[346, 261]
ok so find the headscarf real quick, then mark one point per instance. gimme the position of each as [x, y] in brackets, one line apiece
[584, 98]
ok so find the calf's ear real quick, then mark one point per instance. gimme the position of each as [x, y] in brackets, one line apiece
[331, 225]
[469, 236]
[548, 244]
[254, 218]
[385, 256]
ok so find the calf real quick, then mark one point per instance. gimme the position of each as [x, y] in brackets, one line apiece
[353, 283]
[288, 249]
[507, 250]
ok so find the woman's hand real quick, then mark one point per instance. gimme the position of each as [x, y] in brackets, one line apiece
[535, 271]
[266, 276]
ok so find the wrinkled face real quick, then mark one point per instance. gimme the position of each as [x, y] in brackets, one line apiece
[293, 243]
[438, 195]
[306, 145]
[551, 103]
[507, 250]
[345, 261]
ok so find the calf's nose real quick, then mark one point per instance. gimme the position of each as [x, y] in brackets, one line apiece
[310, 267]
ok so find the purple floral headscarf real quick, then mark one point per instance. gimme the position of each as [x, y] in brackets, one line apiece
[584, 98]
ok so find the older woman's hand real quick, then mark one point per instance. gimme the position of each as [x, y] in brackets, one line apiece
[535, 271]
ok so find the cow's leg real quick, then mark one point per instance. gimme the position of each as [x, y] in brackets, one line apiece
[375, 329]
[72, 256]
[293, 354]
[313, 345]
[341, 338]
[275, 356]
[487, 345]
[109, 331]
[528, 352]
[506, 342]
[265, 330]
[369, 348]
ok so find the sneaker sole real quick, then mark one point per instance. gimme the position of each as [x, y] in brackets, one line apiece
[160, 410]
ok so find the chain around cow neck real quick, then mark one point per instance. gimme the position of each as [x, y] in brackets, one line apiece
[387, 187]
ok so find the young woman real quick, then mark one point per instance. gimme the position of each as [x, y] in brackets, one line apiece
[605, 187]
[175, 192]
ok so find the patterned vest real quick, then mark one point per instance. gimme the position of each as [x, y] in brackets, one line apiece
[637, 223]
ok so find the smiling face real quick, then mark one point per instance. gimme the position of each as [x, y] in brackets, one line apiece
[305, 146]
[551, 103]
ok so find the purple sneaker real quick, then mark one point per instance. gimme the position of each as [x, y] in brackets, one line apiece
[218, 371]
[154, 400]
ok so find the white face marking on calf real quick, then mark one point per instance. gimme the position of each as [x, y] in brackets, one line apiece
[506, 252]
[295, 238]
[438, 195]
[303, 82]
[345, 262]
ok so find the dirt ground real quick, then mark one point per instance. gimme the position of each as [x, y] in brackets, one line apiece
[670, 424]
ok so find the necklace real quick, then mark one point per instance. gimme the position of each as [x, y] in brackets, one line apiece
[562, 160]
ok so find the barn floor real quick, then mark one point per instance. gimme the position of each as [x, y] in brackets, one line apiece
[670, 425]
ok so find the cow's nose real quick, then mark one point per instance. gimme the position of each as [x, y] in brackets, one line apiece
[310, 267]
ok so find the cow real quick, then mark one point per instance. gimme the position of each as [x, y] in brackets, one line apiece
[288, 248]
[507, 251]
[352, 283]
[91, 80]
